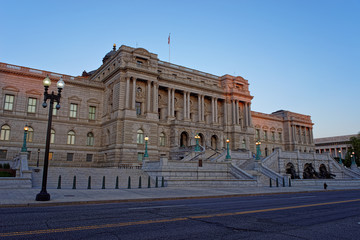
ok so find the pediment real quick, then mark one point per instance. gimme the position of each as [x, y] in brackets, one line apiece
[141, 52]
[93, 100]
[33, 92]
[75, 98]
[11, 88]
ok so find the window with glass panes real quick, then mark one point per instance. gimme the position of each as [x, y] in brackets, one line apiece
[89, 157]
[140, 157]
[52, 136]
[92, 111]
[54, 109]
[73, 110]
[32, 105]
[140, 136]
[69, 156]
[90, 139]
[9, 102]
[71, 138]
[138, 108]
[5, 133]
[162, 139]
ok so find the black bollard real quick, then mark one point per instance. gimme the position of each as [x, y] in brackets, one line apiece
[156, 182]
[270, 182]
[103, 183]
[325, 186]
[89, 183]
[129, 183]
[149, 186]
[59, 182]
[162, 182]
[139, 181]
[277, 182]
[74, 183]
[289, 182]
[117, 182]
[283, 182]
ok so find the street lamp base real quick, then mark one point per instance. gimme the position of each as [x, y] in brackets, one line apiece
[43, 196]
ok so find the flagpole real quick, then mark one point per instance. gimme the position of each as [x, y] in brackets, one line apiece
[169, 46]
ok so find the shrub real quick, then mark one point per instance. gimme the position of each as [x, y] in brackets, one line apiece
[1, 166]
[6, 166]
[6, 174]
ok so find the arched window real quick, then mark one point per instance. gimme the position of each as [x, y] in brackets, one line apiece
[90, 139]
[30, 134]
[257, 134]
[5, 133]
[71, 138]
[140, 136]
[162, 139]
[243, 144]
[52, 136]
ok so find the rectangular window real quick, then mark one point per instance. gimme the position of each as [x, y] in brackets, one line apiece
[73, 110]
[51, 154]
[3, 154]
[265, 136]
[140, 157]
[89, 157]
[69, 156]
[273, 136]
[280, 137]
[138, 108]
[32, 105]
[92, 111]
[9, 102]
[257, 134]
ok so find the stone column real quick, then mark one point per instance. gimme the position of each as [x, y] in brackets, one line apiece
[133, 94]
[199, 108]
[212, 110]
[169, 102]
[155, 98]
[246, 117]
[185, 105]
[225, 114]
[202, 108]
[188, 105]
[216, 111]
[311, 136]
[237, 112]
[127, 93]
[148, 97]
[173, 102]
[233, 111]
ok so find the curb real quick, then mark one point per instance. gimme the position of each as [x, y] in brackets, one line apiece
[52, 204]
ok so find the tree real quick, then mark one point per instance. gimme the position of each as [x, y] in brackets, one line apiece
[355, 147]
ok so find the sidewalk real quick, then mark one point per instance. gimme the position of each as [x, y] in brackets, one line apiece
[26, 197]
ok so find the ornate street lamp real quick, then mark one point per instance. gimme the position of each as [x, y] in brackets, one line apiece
[43, 195]
[227, 149]
[258, 150]
[340, 161]
[146, 143]
[24, 148]
[197, 147]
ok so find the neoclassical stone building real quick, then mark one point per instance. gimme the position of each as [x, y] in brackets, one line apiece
[105, 114]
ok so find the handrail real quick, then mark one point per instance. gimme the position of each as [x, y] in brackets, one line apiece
[239, 172]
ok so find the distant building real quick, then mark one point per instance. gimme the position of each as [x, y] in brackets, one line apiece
[333, 145]
[106, 113]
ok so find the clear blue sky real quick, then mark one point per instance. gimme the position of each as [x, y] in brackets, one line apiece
[298, 55]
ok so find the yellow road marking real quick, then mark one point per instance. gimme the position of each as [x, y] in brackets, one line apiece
[123, 224]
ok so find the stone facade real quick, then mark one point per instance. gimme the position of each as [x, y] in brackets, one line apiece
[105, 114]
[333, 145]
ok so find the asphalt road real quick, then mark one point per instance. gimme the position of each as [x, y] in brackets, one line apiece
[317, 215]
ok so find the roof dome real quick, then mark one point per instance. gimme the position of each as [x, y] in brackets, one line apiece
[109, 54]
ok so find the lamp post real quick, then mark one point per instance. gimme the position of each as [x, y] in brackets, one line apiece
[43, 195]
[37, 162]
[24, 148]
[353, 162]
[197, 147]
[146, 150]
[258, 150]
[227, 150]
[340, 161]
